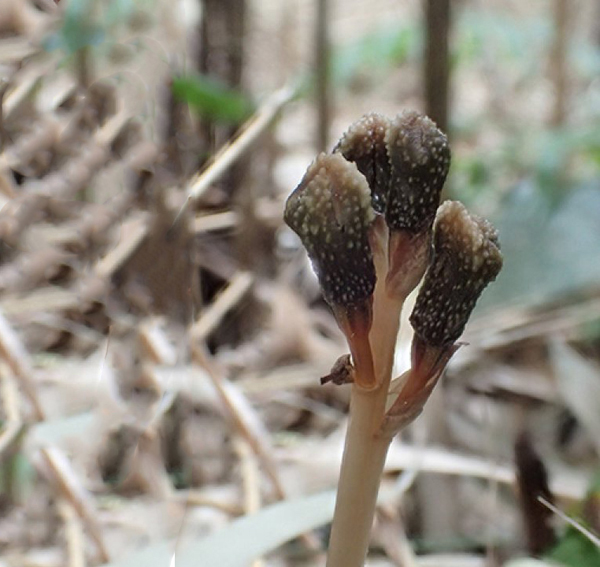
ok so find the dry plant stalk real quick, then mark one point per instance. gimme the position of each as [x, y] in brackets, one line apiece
[13, 353]
[13, 425]
[60, 471]
[368, 216]
[74, 537]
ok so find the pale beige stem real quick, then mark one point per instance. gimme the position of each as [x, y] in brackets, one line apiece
[362, 464]
[365, 449]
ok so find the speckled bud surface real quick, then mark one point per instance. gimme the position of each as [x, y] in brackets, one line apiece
[331, 212]
[364, 144]
[466, 259]
[419, 157]
[405, 162]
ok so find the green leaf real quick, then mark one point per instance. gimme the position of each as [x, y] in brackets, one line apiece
[212, 99]
[88, 23]
[575, 550]
[245, 539]
[80, 27]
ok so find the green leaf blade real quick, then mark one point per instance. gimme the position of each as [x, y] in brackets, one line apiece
[211, 99]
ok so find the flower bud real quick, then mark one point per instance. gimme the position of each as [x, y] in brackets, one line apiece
[419, 157]
[466, 259]
[364, 144]
[331, 213]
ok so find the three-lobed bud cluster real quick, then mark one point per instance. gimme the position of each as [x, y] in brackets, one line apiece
[393, 169]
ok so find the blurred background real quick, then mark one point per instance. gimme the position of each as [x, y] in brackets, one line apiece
[162, 333]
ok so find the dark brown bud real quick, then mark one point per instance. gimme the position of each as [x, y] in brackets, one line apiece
[466, 258]
[364, 144]
[331, 212]
[419, 156]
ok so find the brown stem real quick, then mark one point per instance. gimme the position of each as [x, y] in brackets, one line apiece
[437, 61]
[322, 75]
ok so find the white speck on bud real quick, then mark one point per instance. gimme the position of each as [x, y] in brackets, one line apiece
[331, 212]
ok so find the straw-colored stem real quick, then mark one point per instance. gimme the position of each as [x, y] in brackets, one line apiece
[362, 465]
[365, 449]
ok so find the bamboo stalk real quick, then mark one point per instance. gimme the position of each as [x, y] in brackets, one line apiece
[559, 63]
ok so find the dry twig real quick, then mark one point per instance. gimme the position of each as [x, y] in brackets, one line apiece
[73, 534]
[70, 487]
[17, 358]
[227, 299]
[244, 418]
[10, 402]
[249, 132]
[250, 482]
